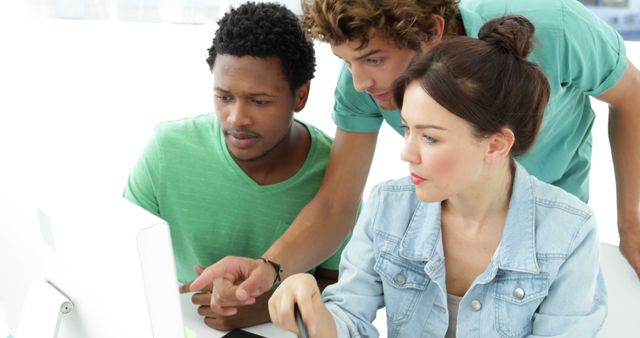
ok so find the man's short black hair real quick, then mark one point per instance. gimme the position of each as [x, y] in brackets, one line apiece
[266, 30]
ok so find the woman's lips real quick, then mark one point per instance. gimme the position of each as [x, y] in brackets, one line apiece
[415, 179]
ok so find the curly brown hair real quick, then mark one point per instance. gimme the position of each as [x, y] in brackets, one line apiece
[407, 23]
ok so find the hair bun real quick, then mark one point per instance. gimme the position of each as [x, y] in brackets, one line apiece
[513, 34]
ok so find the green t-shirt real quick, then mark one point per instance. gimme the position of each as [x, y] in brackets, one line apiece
[187, 177]
[580, 54]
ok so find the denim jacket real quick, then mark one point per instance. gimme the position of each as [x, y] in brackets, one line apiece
[543, 281]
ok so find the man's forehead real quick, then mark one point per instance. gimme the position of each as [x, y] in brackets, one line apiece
[353, 49]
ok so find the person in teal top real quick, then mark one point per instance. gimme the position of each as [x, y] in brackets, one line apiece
[597, 61]
[581, 56]
[229, 184]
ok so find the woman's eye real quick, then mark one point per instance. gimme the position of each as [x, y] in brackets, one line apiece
[430, 140]
[405, 130]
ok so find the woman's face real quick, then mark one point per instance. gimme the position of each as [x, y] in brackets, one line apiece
[445, 157]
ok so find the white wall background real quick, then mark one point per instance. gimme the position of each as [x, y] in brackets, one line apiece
[79, 100]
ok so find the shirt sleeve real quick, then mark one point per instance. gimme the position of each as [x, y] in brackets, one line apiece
[593, 52]
[142, 184]
[354, 300]
[576, 304]
[354, 111]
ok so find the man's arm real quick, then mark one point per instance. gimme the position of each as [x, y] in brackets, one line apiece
[322, 226]
[624, 138]
[318, 230]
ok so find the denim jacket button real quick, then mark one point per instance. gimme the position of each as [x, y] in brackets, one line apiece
[476, 305]
[400, 279]
[519, 293]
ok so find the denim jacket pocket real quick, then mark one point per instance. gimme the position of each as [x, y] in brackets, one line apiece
[403, 284]
[518, 295]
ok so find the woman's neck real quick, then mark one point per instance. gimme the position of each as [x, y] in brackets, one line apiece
[485, 203]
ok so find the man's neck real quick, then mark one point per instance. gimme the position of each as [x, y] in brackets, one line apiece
[283, 161]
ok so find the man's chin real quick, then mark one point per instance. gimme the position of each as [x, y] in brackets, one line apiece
[386, 105]
[245, 158]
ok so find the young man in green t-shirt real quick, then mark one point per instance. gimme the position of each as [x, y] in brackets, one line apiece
[230, 183]
[581, 56]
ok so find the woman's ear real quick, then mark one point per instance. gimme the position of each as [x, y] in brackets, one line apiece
[500, 145]
[301, 96]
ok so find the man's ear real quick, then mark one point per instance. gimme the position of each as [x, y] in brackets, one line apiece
[301, 96]
[500, 145]
[437, 35]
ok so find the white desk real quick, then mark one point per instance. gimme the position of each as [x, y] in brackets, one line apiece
[195, 323]
[622, 284]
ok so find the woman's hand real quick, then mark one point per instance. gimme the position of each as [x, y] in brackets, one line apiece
[301, 289]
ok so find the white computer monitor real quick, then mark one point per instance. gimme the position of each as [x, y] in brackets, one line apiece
[112, 259]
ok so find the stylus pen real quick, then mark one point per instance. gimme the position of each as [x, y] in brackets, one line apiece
[301, 327]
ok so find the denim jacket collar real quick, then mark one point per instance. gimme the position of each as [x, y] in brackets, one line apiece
[422, 240]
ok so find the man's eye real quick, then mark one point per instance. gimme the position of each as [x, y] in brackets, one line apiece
[223, 98]
[261, 102]
[374, 61]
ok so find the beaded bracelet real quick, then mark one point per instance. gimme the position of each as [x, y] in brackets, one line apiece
[276, 267]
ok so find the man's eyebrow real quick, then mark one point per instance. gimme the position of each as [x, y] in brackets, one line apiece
[363, 56]
[250, 94]
[368, 54]
[260, 94]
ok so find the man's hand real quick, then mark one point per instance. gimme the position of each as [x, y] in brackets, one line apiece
[234, 282]
[225, 319]
[630, 245]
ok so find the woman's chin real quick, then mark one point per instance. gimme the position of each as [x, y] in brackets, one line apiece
[428, 198]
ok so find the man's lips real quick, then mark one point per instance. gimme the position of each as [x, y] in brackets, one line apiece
[242, 140]
[380, 96]
[415, 179]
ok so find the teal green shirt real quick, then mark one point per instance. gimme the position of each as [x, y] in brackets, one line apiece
[187, 177]
[580, 54]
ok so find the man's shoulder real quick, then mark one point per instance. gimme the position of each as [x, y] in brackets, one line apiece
[187, 128]
[319, 139]
[187, 124]
[316, 133]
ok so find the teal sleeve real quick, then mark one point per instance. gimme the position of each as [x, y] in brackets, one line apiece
[593, 52]
[354, 111]
[143, 182]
